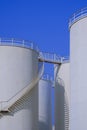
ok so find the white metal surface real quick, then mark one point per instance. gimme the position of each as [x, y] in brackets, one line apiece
[62, 96]
[78, 57]
[18, 67]
[53, 128]
[45, 119]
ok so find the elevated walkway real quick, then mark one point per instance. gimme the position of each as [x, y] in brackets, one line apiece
[52, 58]
[8, 107]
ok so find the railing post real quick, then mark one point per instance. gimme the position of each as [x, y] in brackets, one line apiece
[41, 55]
[23, 43]
[47, 77]
[54, 57]
[81, 12]
[48, 56]
[74, 17]
[37, 48]
[32, 47]
[12, 41]
[61, 59]
[0, 41]
[51, 79]
[45, 57]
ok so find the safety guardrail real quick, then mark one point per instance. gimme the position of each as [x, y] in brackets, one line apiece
[65, 59]
[18, 43]
[53, 57]
[47, 77]
[31, 45]
[6, 105]
[77, 16]
[49, 56]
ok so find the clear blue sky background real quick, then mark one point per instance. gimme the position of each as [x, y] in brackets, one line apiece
[43, 21]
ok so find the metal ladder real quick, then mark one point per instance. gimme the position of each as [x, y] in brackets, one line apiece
[66, 105]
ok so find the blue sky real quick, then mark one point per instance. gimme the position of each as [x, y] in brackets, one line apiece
[43, 22]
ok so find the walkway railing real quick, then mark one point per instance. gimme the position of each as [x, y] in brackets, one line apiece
[20, 95]
[51, 57]
[47, 77]
[77, 16]
[28, 44]
[18, 43]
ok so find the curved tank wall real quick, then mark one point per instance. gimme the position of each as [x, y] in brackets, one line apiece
[78, 56]
[18, 67]
[62, 94]
[45, 121]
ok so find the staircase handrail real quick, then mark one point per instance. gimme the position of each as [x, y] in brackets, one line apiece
[5, 105]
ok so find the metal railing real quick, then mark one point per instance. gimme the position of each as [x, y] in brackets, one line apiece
[4, 105]
[53, 57]
[47, 77]
[18, 43]
[65, 59]
[31, 45]
[77, 16]
[49, 56]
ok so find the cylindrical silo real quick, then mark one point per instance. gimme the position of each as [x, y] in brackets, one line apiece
[62, 96]
[45, 117]
[78, 70]
[18, 68]
[53, 128]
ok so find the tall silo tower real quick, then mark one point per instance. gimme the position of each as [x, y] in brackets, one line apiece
[18, 72]
[78, 59]
[53, 128]
[45, 114]
[62, 96]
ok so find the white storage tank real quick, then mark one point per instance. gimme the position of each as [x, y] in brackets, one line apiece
[53, 128]
[78, 69]
[45, 113]
[18, 67]
[62, 96]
